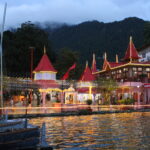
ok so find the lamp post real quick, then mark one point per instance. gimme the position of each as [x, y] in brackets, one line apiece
[31, 69]
[138, 94]
[62, 94]
[31, 61]
[1, 52]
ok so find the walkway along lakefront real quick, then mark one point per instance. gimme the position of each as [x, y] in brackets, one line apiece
[72, 110]
[124, 82]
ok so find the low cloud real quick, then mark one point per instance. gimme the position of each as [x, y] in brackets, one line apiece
[73, 11]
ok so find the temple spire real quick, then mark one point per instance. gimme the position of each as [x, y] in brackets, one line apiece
[44, 49]
[93, 68]
[130, 39]
[93, 57]
[130, 48]
[45, 64]
[105, 60]
[87, 74]
[105, 56]
[117, 58]
[86, 64]
[131, 52]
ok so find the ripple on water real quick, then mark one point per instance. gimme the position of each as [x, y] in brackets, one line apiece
[109, 131]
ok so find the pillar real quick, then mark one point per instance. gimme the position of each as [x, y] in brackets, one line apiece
[90, 92]
[43, 99]
[148, 93]
[146, 100]
[138, 98]
[75, 98]
[62, 97]
[145, 94]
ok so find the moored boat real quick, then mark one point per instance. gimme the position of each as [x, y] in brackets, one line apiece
[18, 134]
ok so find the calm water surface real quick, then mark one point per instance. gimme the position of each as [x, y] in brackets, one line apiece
[110, 131]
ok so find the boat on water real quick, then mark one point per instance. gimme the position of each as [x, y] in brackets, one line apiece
[17, 134]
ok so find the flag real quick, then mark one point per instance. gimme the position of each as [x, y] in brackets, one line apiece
[72, 67]
[66, 75]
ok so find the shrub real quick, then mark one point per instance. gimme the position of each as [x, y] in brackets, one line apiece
[126, 101]
[115, 102]
[130, 101]
[85, 111]
[89, 102]
[106, 103]
[58, 101]
[121, 101]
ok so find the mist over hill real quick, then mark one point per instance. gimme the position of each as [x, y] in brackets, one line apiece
[69, 43]
[98, 37]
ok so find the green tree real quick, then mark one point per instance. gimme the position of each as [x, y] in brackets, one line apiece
[98, 37]
[17, 52]
[147, 33]
[65, 59]
[106, 87]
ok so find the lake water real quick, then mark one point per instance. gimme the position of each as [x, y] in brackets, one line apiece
[122, 131]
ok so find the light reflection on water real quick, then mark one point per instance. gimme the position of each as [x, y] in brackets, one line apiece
[110, 131]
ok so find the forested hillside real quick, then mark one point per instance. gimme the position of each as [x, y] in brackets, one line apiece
[98, 37]
[68, 43]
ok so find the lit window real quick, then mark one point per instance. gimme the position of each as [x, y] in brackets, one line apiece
[125, 69]
[147, 69]
[139, 69]
[134, 69]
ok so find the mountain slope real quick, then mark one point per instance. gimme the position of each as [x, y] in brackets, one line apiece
[98, 37]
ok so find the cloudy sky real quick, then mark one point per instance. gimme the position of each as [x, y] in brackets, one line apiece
[73, 11]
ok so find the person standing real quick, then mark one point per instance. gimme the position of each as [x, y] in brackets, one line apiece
[11, 102]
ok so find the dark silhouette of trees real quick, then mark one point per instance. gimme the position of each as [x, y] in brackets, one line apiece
[17, 52]
[67, 43]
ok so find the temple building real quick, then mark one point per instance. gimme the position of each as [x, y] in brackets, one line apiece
[130, 74]
[45, 77]
[85, 86]
[70, 95]
[144, 53]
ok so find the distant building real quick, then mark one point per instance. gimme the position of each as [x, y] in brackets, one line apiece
[45, 77]
[130, 73]
[144, 53]
[45, 69]
[85, 85]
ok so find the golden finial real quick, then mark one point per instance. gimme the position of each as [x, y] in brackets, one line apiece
[86, 64]
[105, 56]
[130, 39]
[116, 58]
[93, 56]
[44, 49]
[130, 49]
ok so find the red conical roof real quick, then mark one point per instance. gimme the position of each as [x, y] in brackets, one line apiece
[131, 52]
[87, 74]
[94, 64]
[45, 65]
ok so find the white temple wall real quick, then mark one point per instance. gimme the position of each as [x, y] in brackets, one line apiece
[45, 76]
